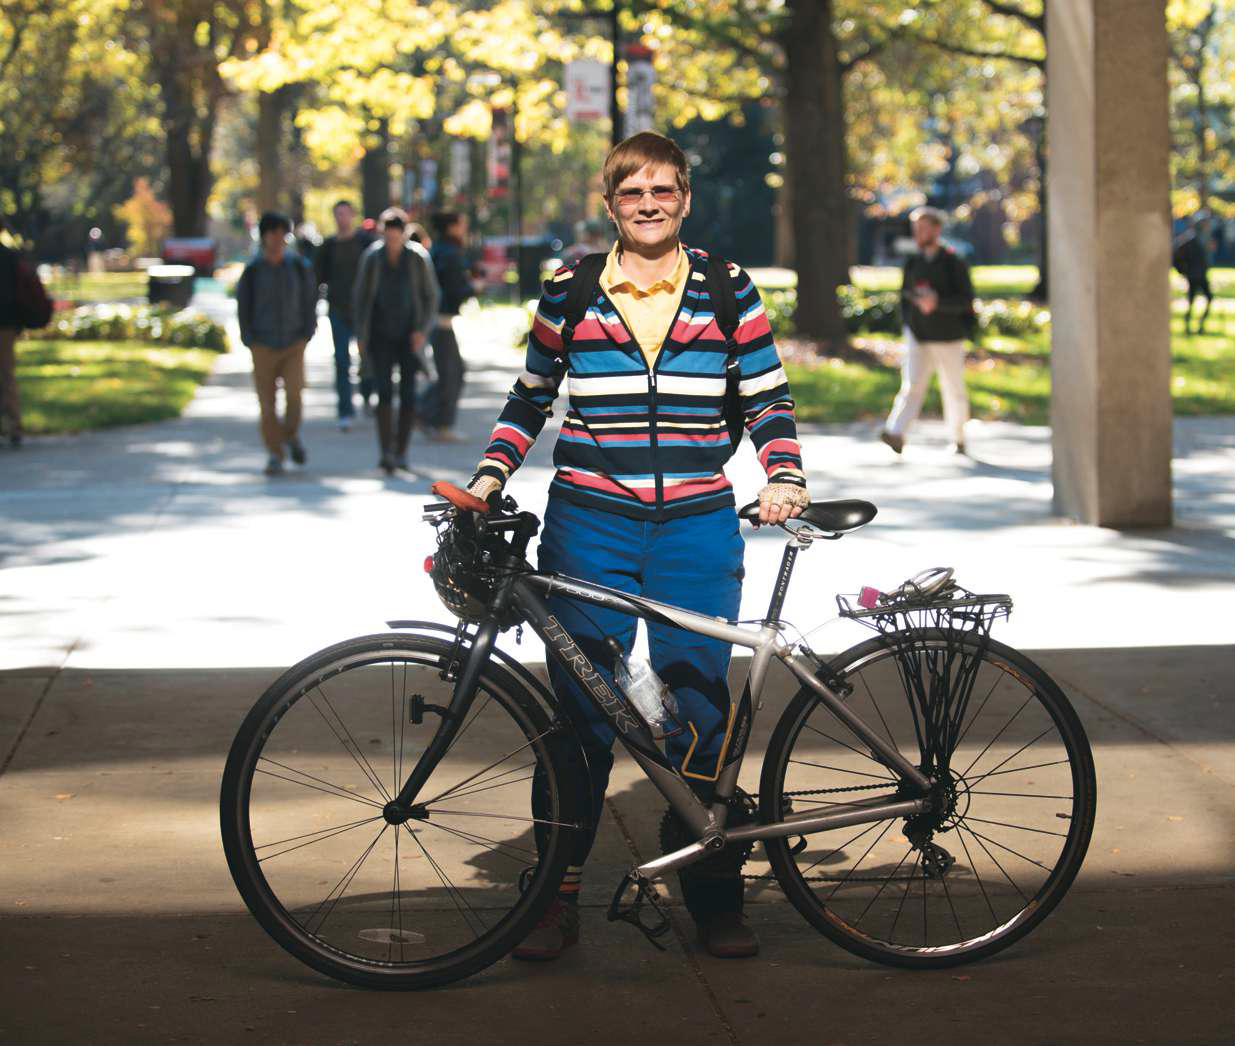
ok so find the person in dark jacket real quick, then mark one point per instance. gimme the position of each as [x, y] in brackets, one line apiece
[22, 298]
[395, 301]
[276, 304]
[1190, 259]
[937, 304]
[336, 263]
[440, 403]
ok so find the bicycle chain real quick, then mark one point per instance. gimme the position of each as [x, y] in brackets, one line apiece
[823, 878]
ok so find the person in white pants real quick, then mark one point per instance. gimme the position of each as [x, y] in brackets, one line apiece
[937, 300]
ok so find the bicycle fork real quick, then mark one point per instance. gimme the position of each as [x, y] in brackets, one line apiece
[403, 806]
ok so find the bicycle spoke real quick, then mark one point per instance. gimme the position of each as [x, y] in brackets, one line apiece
[346, 881]
[489, 788]
[1018, 795]
[1018, 770]
[493, 844]
[882, 886]
[838, 849]
[491, 766]
[948, 894]
[1011, 757]
[1018, 827]
[878, 711]
[358, 757]
[452, 891]
[859, 861]
[995, 842]
[908, 885]
[322, 834]
[995, 860]
[338, 791]
[977, 876]
[974, 718]
[501, 817]
[1000, 734]
[842, 770]
[475, 715]
[837, 740]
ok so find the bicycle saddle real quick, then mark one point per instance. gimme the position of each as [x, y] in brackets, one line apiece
[832, 516]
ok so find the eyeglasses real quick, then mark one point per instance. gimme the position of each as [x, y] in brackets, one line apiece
[629, 199]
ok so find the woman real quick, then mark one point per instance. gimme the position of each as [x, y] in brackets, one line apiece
[640, 489]
[396, 307]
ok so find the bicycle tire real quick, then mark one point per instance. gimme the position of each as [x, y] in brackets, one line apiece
[351, 955]
[840, 918]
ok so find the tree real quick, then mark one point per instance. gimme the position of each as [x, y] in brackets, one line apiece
[148, 218]
[184, 43]
[1202, 55]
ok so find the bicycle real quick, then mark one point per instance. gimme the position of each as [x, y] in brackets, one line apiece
[926, 798]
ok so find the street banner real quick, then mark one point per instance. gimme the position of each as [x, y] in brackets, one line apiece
[461, 165]
[587, 90]
[640, 76]
[499, 155]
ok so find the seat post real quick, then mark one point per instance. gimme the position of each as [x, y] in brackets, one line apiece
[777, 603]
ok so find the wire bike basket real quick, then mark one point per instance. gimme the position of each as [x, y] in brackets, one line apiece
[938, 632]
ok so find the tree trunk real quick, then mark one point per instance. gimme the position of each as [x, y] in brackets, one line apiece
[189, 178]
[815, 147]
[270, 109]
[375, 172]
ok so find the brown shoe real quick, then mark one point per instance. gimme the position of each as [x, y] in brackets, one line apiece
[557, 930]
[897, 443]
[726, 936]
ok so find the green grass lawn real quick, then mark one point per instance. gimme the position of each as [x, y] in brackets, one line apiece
[1009, 379]
[71, 386]
[90, 287]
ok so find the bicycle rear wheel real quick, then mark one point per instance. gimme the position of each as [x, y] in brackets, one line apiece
[1014, 807]
[388, 905]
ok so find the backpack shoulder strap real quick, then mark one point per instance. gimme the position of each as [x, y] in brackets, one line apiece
[724, 301]
[582, 288]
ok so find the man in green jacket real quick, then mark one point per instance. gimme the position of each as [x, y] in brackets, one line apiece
[395, 301]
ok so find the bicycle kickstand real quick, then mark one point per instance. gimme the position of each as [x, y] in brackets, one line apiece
[631, 912]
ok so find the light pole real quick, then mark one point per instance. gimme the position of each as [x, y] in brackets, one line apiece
[611, 15]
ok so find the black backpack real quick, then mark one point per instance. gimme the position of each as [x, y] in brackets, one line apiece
[582, 292]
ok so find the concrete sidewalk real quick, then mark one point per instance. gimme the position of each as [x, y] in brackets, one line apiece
[154, 583]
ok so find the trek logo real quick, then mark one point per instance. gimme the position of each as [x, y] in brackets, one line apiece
[613, 705]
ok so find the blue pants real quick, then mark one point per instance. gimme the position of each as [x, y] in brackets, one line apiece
[694, 562]
[341, 332]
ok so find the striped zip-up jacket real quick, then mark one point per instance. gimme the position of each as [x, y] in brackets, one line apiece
[648, 443]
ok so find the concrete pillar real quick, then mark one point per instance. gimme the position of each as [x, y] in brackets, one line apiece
[1110, 247]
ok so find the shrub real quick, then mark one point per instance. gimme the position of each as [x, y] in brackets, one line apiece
[160, 324]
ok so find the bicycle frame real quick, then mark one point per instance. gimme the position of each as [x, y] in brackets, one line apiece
[524, 591]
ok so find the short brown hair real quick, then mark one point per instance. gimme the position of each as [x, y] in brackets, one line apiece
[640, 150]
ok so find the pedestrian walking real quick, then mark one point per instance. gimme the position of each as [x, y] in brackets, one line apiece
[24, 305]
[395, 300]
[640, 500]
[1191, 258]
[337, 262]
[937, 305]
[440, 404]
[276, 304]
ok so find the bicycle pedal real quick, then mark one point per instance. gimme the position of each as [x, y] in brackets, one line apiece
[631, 912]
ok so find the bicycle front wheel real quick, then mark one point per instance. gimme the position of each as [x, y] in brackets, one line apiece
[389, 905]
[1013, 808]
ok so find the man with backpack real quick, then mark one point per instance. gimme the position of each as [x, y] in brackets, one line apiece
[276, 306]
[647, 334]
[24, 305]
[937, 303]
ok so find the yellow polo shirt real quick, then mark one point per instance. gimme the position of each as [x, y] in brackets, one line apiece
[648, 312]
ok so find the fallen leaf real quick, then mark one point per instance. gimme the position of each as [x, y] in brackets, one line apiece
[961, 977]
[65, 795]
[1172, 817]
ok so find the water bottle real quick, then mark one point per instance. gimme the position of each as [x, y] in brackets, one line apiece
[645, 690]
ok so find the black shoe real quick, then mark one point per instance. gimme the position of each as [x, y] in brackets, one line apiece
[897, 443]
[296, 449]
[557, 930]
